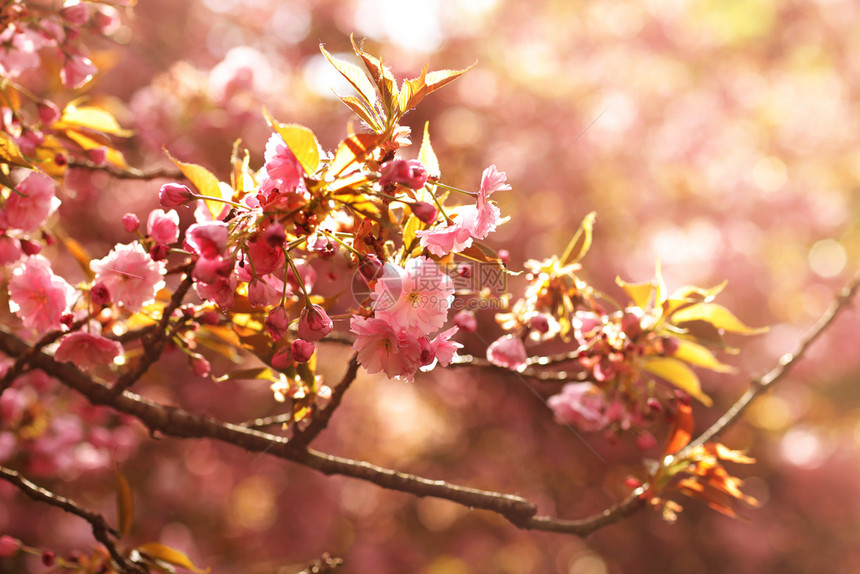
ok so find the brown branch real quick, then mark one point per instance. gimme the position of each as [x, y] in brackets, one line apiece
[129, 172]
[101, 531]
[322, 417]
[786, 362]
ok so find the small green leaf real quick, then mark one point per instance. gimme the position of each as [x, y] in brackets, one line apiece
[716, 315]
[700, 356]
[639, 293]
[427, 156]
[167, 554]
[354, 75]
[363, 111]
[677, 373]
[301, 141]
[581, 241]
[124, 503]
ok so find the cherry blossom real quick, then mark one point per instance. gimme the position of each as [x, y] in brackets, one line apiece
[33, 204]
[507, 351]
[282, 164]
[37, 295]
[582, 405]
[87, 350]
[163, 226]
[314, 323]
[130, 275]
[415, 298]
[381, 347]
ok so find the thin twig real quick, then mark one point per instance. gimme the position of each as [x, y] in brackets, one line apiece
[129, 172]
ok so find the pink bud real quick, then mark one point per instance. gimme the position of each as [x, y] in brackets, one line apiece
[466, 321]
[370, 268]
[30, 247]
[48, 558]
[277, 323]
[314, 323]
[97, 155]
[302, 350]
[507, 351]
[645, 441]
[163, 226]
[48, 112]
[410, 173]
[174, 195]
[75, 12]
[283, 359]
[539, 323]
[200, 366]
[107, 20]
[130, 222]
[99, 294]
[9, 546]
[159, 252]
[504, 256]
[424, 211]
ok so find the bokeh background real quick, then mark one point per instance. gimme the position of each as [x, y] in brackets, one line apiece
[720, 137]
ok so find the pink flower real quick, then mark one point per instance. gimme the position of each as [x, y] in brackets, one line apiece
[130, 222]
[265, 258]
[38, 296]
[34, 202]
[582, 405]
[211, 270]
[314, 323]
[507, 351]
[10, 250]
[77, 71]
[261, 293]
[207, 239]
[410, 173]
[75, 12]
[163, 227]
[200, 366]
[130, 275]
[425, 212]
[87, 350]
[451, 238]
[220, 292]
[302, 350]
[416, 298]
[381, 347]
[488, 216]
[466, 321]
[282, 164]
[440, 349]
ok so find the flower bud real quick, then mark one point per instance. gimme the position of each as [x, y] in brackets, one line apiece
[302, 350]
[75, 12]
[99, 294]
[97, 155]
[424, 211]
[277, 323]
[200, 366]
[48, 113]
[466, 321]
[9, 546]
[30, 247]
[174, 195]
[314, 323]
[159, 252]
[130, 222]
[539, 323]
[283, 359]
[409, 173]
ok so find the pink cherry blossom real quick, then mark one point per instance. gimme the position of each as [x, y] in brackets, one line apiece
[410, 173]
[582, 405]
[220, 292]
[77, 71]
[277, 323]
[10, 250]
[207, 239]
[282, 164]
[381, 347]
[163, 226]
[314, 323]
[174, 195]
[38, 296]
[87, 350]
[34, 202]
[452, 237]
[441, 349]
[507, 351]
[416, 298]
[130, 274]
[302, 350]
[261, 293]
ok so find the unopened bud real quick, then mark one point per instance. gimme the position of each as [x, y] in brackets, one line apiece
[174, 195]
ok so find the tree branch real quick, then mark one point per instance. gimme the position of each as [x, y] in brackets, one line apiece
[129, 172]
[101, 530]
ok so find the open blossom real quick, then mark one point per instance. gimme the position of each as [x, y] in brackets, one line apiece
[34, 202]
[38, 296]
[441, 349]
[381, 347]
[415, 298]
[207, 239]
[163, 227]
[507, 351]
[582, 405]
[282, 164]
[87, 350]
[488, 216]
[130, 275]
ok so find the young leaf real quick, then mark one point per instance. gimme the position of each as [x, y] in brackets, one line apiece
[113, 156]
[385, 80]
[682, 430]
[353, 149]
[716, 315]
[677, 373]
[363, 111]
[90, 117]
[124, 503]
[427, 156]
[167, 554]
[639, 293]
[9, 152]
[301, 141]
[439, 78]
[581, 241]
[412, 92]
[354, 75]
[697, 355]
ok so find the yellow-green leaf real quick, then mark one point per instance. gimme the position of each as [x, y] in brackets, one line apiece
[363, 111]
[700, 356]
[716, 315]
[204, 180]
[353, 149]
[385, 81]
[93, 118]
[124, 503]
[639, 293]
[678, 374]
[427, 156]
[113, 156]
[301, 141]
[581, 241]
[439, 78]
[412, 92]
[167, 554]
[353, 74]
